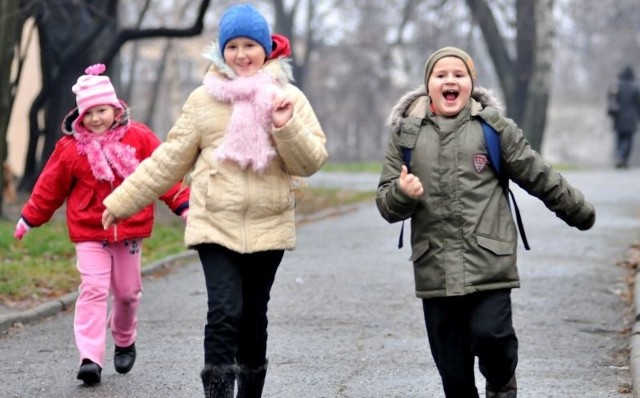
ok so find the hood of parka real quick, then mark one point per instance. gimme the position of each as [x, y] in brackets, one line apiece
[280, 68]
[481, 98]
[67, 122]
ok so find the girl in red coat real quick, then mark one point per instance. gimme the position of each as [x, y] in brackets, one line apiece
[101, 146]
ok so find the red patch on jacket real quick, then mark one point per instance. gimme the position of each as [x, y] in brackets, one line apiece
[479, 161]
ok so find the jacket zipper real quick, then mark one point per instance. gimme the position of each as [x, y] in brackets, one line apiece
[115, 225]
[247, 209]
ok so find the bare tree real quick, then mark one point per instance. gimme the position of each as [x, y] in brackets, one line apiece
[307, 41]
[524, 75]
[74, 34]
[11, 61]
[353, 58]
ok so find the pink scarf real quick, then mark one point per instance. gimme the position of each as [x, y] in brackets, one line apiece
[247, 140]
[106, 153]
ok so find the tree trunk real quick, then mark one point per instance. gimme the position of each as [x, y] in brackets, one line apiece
[524, 79]
[535, 112]
[10, 38]
[73, 36]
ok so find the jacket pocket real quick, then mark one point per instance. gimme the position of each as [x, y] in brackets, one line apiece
[85, 197]
[218, 193]
[496, 246]
[276, 194]
[418, 250]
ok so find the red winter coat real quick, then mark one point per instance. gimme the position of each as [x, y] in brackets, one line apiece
[67, 176]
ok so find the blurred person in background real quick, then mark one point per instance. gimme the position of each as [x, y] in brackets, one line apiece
[623, 106]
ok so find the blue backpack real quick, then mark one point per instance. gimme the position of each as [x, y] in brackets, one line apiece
[492, 140]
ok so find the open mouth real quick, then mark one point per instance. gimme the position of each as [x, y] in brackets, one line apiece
[450, 95]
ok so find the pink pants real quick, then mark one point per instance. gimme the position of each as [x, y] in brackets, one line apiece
[111, 267]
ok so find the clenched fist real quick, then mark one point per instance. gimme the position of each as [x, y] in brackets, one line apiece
[410, 184]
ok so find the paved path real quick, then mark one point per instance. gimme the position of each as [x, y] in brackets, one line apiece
[344, 321]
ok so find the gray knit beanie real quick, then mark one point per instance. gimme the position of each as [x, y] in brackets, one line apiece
[448, 52]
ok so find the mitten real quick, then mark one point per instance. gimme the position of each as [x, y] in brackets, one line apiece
[588, 223]
[21, 229]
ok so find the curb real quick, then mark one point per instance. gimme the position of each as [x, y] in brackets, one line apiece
[634, 355]
[62, 304]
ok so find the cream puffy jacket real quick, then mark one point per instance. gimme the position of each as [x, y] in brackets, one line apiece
[237, 208]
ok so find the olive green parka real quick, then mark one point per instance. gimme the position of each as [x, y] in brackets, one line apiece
[463, 236]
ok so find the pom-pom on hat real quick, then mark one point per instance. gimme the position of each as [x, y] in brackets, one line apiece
[244, 20]
[449, 52]
[92, 90]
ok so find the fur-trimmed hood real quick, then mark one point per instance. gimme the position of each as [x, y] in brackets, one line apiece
[279, 68]
[67, 122]
[248, 140]
[481, 98]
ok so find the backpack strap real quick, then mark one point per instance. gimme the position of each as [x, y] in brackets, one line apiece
[408, 142]
[492, 141]
[406, 160]
[406, 157]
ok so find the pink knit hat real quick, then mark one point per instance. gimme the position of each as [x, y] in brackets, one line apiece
[92, 90]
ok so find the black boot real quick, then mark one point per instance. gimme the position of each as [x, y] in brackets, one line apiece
[89, 372]
[218, 381]
[251, 381]
[509, 390]
[124, 358]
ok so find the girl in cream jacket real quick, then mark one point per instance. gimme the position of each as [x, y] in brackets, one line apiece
[243, 137]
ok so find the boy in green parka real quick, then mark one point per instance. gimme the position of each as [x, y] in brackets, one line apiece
[463, 236]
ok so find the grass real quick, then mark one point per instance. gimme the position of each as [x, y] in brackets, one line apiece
[42, 265]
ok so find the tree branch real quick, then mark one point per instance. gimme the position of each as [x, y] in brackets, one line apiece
[137, 34]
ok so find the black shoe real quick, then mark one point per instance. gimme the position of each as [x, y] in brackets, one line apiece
[509, 390]
[89, 372]
[124, 358]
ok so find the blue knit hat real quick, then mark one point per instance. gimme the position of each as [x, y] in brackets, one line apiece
[244, 20]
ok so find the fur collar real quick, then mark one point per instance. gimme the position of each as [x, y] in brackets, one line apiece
[481, 97]
[279, 68]
[247, 139]
[67, 122]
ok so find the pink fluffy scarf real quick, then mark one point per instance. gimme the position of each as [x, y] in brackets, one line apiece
[106, 153]
[247, 140]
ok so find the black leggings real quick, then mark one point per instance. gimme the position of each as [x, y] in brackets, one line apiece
[463, 327]
[238, 291]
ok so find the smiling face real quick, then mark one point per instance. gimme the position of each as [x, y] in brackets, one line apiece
[449, 86]
[99, 119]
[245, 56]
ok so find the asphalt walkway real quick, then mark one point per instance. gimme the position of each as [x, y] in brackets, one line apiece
[344, 321]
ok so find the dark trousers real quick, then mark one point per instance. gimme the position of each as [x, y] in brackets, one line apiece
[238, 291]
[624, 143]
[463, 327]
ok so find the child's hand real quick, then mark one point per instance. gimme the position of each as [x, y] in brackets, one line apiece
[282, 109]
[108, 219]
[410, 184]
[21, 229]
[185, 214]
